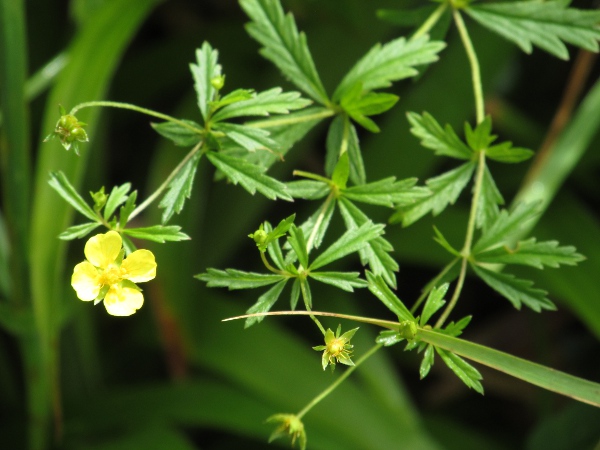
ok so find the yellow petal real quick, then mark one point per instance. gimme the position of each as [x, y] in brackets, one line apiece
[138, 267]
[123, 301]
[85, 281]
[102, 249]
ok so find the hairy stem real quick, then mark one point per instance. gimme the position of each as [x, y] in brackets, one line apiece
[430, 22]
[136, 108]
[167, 181]
[339, 381]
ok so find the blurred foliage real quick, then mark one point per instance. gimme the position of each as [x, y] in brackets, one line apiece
[173, 376]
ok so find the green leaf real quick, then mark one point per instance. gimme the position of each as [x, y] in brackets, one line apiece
[360, 104]
[544, 24]
[434, 302]
[481, 137]
[264, 103]
[443, 141]
[203, 73]
[544, 377]
[387, 192]
[180, 135]
[265, 303]
[308, 189]
[126, 210]
[273, 247]
[506, 224]
[380, 289]
[237, 279]
[376, 252]
[306, 293]
[514, 289]
[533, 253]
[317, 224]
[179, 189]
[284, 46]
[298, 244]
[463, 370]
[388, 338]
[506, 153]
[391, 62]
[251, 177]
[456, 329]
[343, 280]
[342, 137]
[61, 184]
[341, 172]
[250, 138]
[233, 97]
[427, 362]
[157, 233]
[118, 196]
[489, 198]
[351, 241]
[445, 190]
[78, 231]
[441, 239]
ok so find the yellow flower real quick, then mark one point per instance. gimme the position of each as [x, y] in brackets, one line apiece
[106, 275]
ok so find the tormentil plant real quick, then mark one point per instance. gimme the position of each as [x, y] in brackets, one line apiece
[242, 150]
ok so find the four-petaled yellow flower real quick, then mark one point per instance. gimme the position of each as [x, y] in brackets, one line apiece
[106, 275]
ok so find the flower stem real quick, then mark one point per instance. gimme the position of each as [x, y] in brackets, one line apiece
[480, 115]
[136, 108]
[474, 63]
[269, 266]
[167, 181]
[339, 381]
[430, 22]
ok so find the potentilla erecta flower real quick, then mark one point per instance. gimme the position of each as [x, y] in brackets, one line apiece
[106, 275]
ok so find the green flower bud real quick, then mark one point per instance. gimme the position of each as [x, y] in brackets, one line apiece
[218, 82]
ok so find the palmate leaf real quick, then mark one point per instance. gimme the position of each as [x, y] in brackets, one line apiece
[273, 101]
[443, 141]
[519, 292]
[387, 192]
[376, 252]
[506, 224]
[350, 242]
[342, 136]
[237, 279]
[251, 177]
[346, 281]
[265, 303]
[180, 188]
[284, 46]
[203, 72]
[532, 253]
[179, 134]
[157, 233]
[393, 61]
[489, 199]
[463, 370]
[445, 190]
[360, 104]
[250, 138]
[60, 183]
[544, 24]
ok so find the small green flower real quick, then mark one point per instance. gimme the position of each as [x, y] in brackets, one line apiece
[289, 424]
[337, 348]
[69, 131]
[260, 237]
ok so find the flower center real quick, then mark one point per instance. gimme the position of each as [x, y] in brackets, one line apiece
[336, 347]
[111, 275]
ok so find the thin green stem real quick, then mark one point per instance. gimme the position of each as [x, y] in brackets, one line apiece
[167, 181]
[430, 22]
[291, 120]
[474, 63]
[305, 297]
[311, 176]
[136, 108]
[339, 381]
[268, 265]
